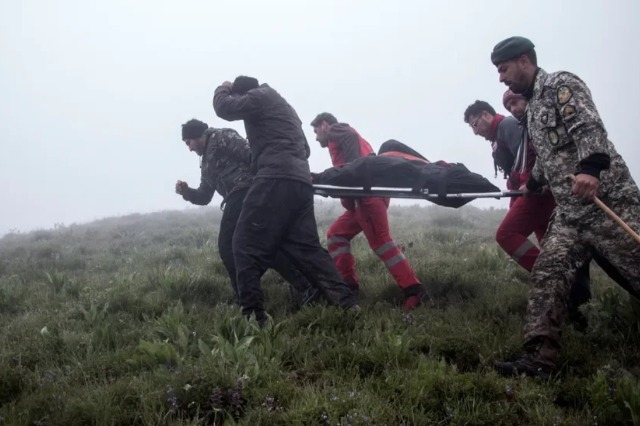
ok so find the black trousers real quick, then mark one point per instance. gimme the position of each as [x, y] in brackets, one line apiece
[301, 290]
[581, 289]
[277, 215]
[579, 295]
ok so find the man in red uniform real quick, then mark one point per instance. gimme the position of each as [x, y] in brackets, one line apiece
[515, 156]
[368, 215]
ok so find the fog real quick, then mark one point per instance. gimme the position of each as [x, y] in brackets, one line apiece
[94, 93]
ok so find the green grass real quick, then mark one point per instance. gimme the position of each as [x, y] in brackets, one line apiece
[129, 321]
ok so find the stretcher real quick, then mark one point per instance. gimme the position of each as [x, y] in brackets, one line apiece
[332, 191]
[398, 171]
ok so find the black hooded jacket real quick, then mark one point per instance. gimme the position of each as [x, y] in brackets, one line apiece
[279, 148]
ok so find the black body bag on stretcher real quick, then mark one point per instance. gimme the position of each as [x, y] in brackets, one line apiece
[398, 166]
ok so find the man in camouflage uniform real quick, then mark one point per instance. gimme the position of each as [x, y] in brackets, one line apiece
[570, 139]
[225, 168]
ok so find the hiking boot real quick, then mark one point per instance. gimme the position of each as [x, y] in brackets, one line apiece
[527, 364]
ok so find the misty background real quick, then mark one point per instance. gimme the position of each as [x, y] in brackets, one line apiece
[93, 93]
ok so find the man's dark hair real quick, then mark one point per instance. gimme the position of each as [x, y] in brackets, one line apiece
[477, 108]
[324, 116]
[193, 129]
[242, 84]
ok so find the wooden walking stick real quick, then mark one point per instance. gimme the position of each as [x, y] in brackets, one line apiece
[612, 215]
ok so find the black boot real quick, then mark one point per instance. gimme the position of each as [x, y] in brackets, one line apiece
[527, 364]
[414, 296]
[539, 360]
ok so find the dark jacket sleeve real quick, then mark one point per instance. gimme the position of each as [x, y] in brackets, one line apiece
[204, 193]
[594, 164]
[236, 107]
[200, 196]
[347, 139]
[307, 149]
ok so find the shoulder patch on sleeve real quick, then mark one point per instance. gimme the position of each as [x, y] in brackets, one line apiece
[564, 94]
[568, 112]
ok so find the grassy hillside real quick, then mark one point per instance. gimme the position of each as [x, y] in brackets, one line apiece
[128, 321]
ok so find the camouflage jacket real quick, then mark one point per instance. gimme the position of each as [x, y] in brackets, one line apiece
[224, 167]
[566, 129]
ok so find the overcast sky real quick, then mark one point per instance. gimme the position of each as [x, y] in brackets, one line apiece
[93, 92]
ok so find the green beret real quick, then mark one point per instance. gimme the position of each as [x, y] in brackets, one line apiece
[510, 48]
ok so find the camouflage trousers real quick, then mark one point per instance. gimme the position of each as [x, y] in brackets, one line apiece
[568, 245]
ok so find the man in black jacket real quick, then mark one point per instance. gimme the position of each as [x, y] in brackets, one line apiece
[277, 213]
[225, 168]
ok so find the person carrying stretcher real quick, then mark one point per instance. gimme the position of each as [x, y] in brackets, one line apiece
[367, 215]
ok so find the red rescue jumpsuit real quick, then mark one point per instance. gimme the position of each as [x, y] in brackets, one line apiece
[368, 215]
[525, 215]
